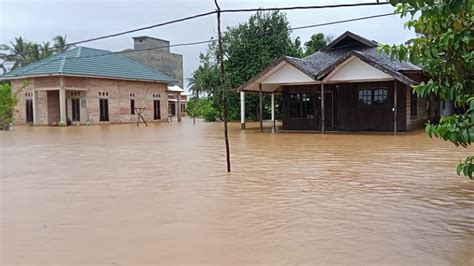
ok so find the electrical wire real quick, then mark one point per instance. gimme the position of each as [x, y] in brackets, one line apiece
[207, 14]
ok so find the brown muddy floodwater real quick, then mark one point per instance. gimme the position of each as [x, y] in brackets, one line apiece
[122, 195]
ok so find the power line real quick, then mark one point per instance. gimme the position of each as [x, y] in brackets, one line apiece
[300, 7]
[343, 21]
[145, 28]
[207, 14]
[213, 40]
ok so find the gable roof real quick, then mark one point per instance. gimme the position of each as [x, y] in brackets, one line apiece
[349, 39]
[90, 62]
[319, 64]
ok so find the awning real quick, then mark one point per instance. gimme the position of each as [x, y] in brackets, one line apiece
[175, 88]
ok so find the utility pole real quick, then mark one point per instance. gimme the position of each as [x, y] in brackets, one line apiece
[224, 95]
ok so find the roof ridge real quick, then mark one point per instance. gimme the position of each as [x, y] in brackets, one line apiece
[79, 51]
[61, 64]
[149, 68]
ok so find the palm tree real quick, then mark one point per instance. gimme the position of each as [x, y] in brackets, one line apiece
[45, 50]
[5, 57]
[22, 52]
[60, 43]
[19, 51]
[194, 87]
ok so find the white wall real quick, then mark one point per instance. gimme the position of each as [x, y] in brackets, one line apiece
[355, 69]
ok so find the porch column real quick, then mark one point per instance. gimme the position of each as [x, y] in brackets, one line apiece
[322, 108]
[34, 107]
[261, 106]
[242, 110]
[62, 102]
[273, 112]
[395, 107]
[178, 106]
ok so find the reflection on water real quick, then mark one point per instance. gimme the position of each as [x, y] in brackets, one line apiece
[126, 195]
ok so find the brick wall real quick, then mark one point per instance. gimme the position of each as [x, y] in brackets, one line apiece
[118, 93]
[23, 93]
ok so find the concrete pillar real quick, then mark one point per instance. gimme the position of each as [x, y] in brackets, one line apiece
[261, 106]
[178, 106]
[242, 110]
[273, 112]
[322, 108]
[62, 102]
[34, 107]
[395, 106]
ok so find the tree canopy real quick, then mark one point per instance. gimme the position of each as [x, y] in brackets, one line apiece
[21, 52]
[249, 47]
[444, 48]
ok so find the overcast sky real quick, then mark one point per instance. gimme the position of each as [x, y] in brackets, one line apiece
[41, 20]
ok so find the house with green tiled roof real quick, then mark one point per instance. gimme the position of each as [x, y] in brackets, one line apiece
[86, 85]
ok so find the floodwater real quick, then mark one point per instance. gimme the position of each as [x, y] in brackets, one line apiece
[127, 195]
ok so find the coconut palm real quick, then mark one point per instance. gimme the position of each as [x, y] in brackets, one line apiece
[5, 57]
[19, 52]
[60, 44]
[22, 52]
[194, 88]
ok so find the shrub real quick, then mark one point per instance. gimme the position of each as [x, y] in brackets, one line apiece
[7, 105]
[202, 107]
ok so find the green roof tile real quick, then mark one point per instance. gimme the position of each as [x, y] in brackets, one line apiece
[83, 61]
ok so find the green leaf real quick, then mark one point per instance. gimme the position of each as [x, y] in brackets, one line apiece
[465, 39]
[393, 2]
[459, 168]
[402, 53]
[414, 57]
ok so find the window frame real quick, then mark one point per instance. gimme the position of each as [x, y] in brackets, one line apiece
[29, 115]
[372, 96]
[104, 110]
[132, 106]
[301, 105]
[76, 114]
[156, 109]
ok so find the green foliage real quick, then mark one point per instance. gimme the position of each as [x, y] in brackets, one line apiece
[315, 44]
[203, 107]
[249, 48]
[8, 100]
[22, 52]
[444, 48]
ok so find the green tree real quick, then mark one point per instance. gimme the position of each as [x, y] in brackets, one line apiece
[249, 47]
[60, 44]
[7, 105]
[21, 52]
[444, 47]
[206, 80]
[315, 44]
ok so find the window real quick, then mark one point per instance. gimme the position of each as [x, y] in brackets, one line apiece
[373, 96]
[104, 109]
[29, 111]
[307, 104]
[413, 105]
[132, 106]
[183, 107]
[156, 110]
[380, 96]
[76, 110]
[301, 105]
[365, 97]
[295, 105]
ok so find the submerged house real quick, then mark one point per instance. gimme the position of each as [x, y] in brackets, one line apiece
[347, 86]
[86, 85]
